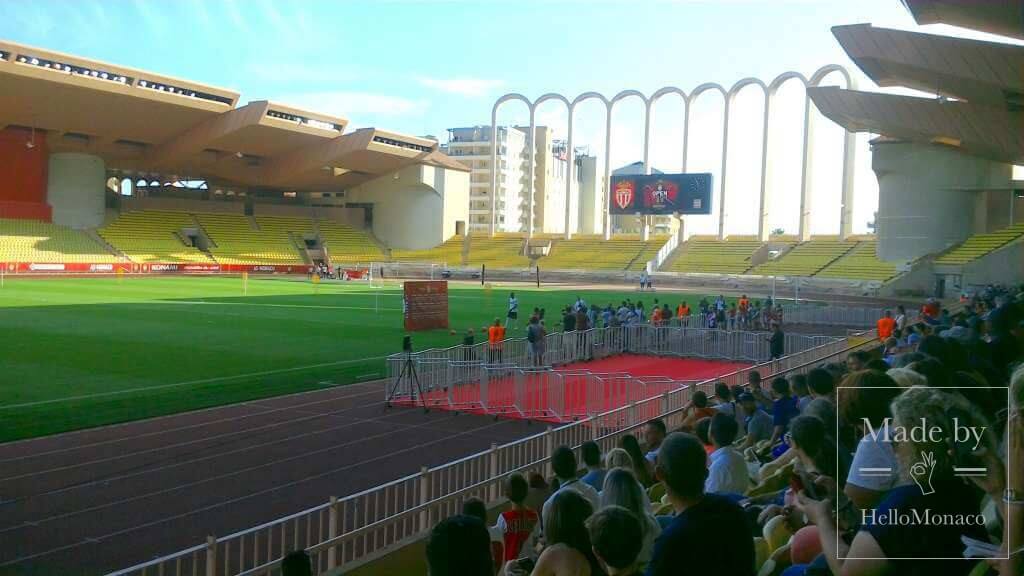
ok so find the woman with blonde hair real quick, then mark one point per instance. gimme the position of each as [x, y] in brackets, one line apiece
[622, 489]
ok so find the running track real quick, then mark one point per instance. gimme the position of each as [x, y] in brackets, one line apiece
[96, 500]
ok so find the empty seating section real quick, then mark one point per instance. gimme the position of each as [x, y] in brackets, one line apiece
[152, 236]
[448, 253]
[861, 263]
[42, 242]
[504, 250]
[806, 258]
[236, 241]
[593, 252]
[981, 244]
[713, 256]
[347, 244]
[648, 252]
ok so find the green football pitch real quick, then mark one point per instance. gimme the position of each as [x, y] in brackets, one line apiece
[81, 352]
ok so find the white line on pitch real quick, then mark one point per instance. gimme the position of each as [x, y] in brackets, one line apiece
[189, 383]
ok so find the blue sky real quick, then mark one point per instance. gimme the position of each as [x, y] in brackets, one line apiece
[420, 66]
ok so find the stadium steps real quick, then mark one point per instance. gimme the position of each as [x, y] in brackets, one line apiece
[592, 252]
[980, 245]
[109, 247]
[449, 252]
[806, 258]
[238, 243]
[709, 255]
[44, 242]
[152, 236]
[345, 244]
[504, 250]
[860, 263]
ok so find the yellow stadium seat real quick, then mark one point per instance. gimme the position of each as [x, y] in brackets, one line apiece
[860, 263]
[152, 236]
[806, 258]
[346, 244]
[711, 255]
[43, 242]
[593, 252]
[980, 245]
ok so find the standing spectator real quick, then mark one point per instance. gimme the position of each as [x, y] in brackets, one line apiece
[616, 536]
[621, 489]
[495, 337]
[568, 320]
[886, 324]
[901, 318]
[513, 311]
[517, 524]
[709, 533]
[644, 279]
[777, 342]
[563, 461]
[592, 460]
[535, 335]
[459, 546]
[727, 473]
[654, 433]
[539, 492]
[821, 384]
[696, 410]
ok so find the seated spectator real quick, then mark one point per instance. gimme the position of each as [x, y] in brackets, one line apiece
[757, 424]
[592, 460]
[727, 473]
[697, 409]
[703, 433]
[857, 360]
[622, 489]
[615, 535]
[476, 508]
[798, 383]
[709, 533]
[567, 550]
[642, 468]
[540, 491]
[865, 400]
[905, 377]
[783, 408]
[517, 524]
[563, 462]
[821, 384]
[654, 433]
[754, 388]
[882, 546]
[296, 563]
[459, 546]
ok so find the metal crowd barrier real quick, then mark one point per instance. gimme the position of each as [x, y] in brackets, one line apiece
[350, 531]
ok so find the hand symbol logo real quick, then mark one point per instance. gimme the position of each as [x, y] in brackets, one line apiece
[921, 473]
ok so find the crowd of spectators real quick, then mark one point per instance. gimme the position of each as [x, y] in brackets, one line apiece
[904, 459]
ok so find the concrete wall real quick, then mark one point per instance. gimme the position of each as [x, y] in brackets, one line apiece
[138, 203]
[923, 205]
[1004, 266]
[995, 210]
[76, 188]
[417, 207]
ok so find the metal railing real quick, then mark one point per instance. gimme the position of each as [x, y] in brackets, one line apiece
[849, 316]
[349, 531]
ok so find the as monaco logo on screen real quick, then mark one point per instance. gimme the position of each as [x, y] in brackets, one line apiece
[624, 194]
[660, 195]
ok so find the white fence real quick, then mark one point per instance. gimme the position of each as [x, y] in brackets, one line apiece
[358, 528]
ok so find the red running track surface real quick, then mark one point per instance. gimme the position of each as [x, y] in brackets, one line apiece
[567, 393]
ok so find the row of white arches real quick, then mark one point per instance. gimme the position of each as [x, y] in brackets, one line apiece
[769, 92]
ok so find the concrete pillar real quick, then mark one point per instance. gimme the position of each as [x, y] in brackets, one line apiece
[75, 189]
[806, 173]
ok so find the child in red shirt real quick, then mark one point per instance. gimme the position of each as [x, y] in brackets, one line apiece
[516, 525]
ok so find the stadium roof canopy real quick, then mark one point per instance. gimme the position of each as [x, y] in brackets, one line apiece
[151, 123]
[979, 89]
[1002, 17]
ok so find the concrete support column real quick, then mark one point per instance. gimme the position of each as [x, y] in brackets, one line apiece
[846, 210]
[532, 137]
[725, 165]
[607, 173]
[569, 177]
[766, 175]
[75, 189]
[806, 173]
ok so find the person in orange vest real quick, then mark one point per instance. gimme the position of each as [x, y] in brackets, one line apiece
[656, 316]
[495, 334]
[744, 310]
[886, 324]
[683, 313]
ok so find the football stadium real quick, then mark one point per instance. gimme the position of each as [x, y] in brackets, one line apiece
[247, 338]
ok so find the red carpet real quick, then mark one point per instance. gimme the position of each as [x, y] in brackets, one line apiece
[576, 391]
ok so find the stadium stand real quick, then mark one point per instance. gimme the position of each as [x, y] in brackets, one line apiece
[42, 242]
[504, 250]
[449, 253]
[981, 244]
[153, 236]
[860, 263]
[347, 244]
[237, 241]
[711, 255]
[806, 258]
[593, 252]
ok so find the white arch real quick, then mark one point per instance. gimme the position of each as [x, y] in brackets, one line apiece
[494, 148]
[767, 157]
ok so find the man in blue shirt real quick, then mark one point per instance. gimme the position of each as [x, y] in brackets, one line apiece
[592, 459]
[784, 408]
[709, 533]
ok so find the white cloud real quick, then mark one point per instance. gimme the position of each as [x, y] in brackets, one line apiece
[351, 104]
[462, 86]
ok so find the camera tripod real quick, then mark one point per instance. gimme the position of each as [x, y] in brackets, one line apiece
[408, 375]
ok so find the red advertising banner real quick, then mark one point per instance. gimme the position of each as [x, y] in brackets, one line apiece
[355, 273]
[425, 304]
[145, 268]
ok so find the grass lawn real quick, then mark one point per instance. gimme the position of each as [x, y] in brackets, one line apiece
[91, 351]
